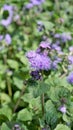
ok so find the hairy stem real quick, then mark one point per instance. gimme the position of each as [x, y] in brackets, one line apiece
[7, 78]
[19, 99]
[9, 86]
[42, 103]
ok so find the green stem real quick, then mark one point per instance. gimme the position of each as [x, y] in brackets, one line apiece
[7, 77]
[19, 99]
[9, 86]
[42, 103]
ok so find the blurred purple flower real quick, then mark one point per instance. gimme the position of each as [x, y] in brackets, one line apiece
[70, 58]
[57, 42]
[38, 61]
[65, 37]
[57, 35]
[1, 37]
[31, 54]
[33, 3]
[56, 47]
[40, 25]
[36, 2]
[71, 48]
[70, 78]
[55, 63]
[8, 20]
[8, 39]
[29, 6]
[44, 45]
[63, 109]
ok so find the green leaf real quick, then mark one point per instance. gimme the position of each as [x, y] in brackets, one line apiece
[62, 127]
[4, 110]
[16, 95]
[18, 82]
[3, 118]
[48, 25]
[5, 99]
[2, 84]
[2, 68]
[4, 127]
[24, 115]
[51, 113]
[42, 88]
[35, 103]
[66, 118]
[24, 60]
[27, 97]
[13, 64]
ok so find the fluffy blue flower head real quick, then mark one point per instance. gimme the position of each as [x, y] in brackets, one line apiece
[36, 2]
[6, 21]
[70, 78]
[8, 39]
[38, 61]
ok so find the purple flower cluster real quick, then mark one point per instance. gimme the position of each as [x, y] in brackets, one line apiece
[34, 3]
[38, 61]
[7, 38]
[64, 37]
[70, 78]
[7, 21]
[56, 62]
[63, 109]
[45, 45]
[56, 47]
[40, 26]
[70, 59]
[71, 49]
[1, 37]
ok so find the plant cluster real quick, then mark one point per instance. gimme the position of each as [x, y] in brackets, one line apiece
[36, 65]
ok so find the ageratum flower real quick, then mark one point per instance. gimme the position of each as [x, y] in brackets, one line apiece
[70, 59]
[8, 39]
[45, 45]
[8, 9]
[40, 26]
[56, 62]
[64, 37]
[56, 47]
[33, 3]
[36, 2]
[63, 109]
[57, 35]
[1, 37]
[71, 48]
[38, 61]
[70, 78]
